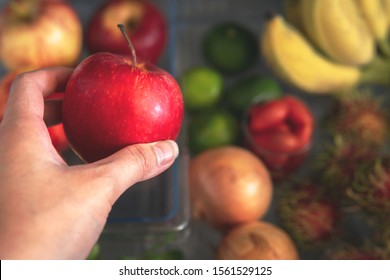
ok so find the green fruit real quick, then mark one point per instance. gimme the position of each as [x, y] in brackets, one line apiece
[245, 91]
[231, 47]
[201, 88]
[214, 129]
[95, 252]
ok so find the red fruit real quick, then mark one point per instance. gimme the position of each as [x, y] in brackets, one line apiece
[5, 85]
[279, 131]
[109, 103]
[56, 132]
[266, 115]
[361, 120]
[279, 141]
[283, 125]
[146, 27]
[308, 215]
[300, 119]
[58, 138]
[370, 186]
[298, 113]
[56, 96]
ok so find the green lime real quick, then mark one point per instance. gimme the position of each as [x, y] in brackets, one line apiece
[201, 87]
[231, 47]
[214, 129]
[95, 252]
[244, 91]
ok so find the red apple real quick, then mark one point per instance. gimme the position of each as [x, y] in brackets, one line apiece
[5, 85]
[56, 132]
[111, 101]
[58, 137]
[146, 27]
[38, 33]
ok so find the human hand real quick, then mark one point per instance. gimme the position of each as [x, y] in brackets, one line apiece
[49, 210]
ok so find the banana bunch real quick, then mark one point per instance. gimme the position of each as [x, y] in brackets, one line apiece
[329, 46]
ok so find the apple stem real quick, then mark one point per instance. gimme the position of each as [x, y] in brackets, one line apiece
[131, 47]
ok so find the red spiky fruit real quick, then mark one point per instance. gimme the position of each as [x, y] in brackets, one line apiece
[359, 118]
[338, 163]
[370, 187]
[308, 214]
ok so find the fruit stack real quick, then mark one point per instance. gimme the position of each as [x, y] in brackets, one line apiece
[328, 49]
[335, 207]
[340, 49]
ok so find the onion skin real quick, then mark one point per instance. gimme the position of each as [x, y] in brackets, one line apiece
[256, 240]
[229, 185]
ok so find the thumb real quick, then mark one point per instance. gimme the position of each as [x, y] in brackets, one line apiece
[137, 163]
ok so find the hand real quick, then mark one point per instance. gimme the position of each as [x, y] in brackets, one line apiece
[49, 210]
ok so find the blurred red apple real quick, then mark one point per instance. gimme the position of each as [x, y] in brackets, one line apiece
[58, 137]
[145, 24]
[5, 85]
[56, 132]
[37, 33]
[111, 101]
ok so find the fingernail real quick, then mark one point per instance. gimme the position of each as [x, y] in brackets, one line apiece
[166, 151]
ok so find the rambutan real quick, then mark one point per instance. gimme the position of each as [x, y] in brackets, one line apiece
[348, 251]
[370, 187]
[337, 164]
[359, 118]
[308, 214]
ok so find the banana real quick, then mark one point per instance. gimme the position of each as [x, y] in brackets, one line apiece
[374, 13]
[288, 53]
[386, 7]
[337, 28]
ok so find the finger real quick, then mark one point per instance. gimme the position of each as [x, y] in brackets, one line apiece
[137, 163]
[28, 89]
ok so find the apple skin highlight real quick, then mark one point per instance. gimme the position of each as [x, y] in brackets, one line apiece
[110, 104]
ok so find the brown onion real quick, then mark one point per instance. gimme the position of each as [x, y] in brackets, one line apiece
[256, 240]
[229, 185]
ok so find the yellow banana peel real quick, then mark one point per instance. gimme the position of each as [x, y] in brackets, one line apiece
[337, 28]
[386, 8]
[374, 13]
[297, 62]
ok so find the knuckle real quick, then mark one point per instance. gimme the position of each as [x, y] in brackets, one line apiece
[23, 79]
[140, 163]
[142, 158]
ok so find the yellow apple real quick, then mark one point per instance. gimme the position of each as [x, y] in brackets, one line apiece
[39, 33]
